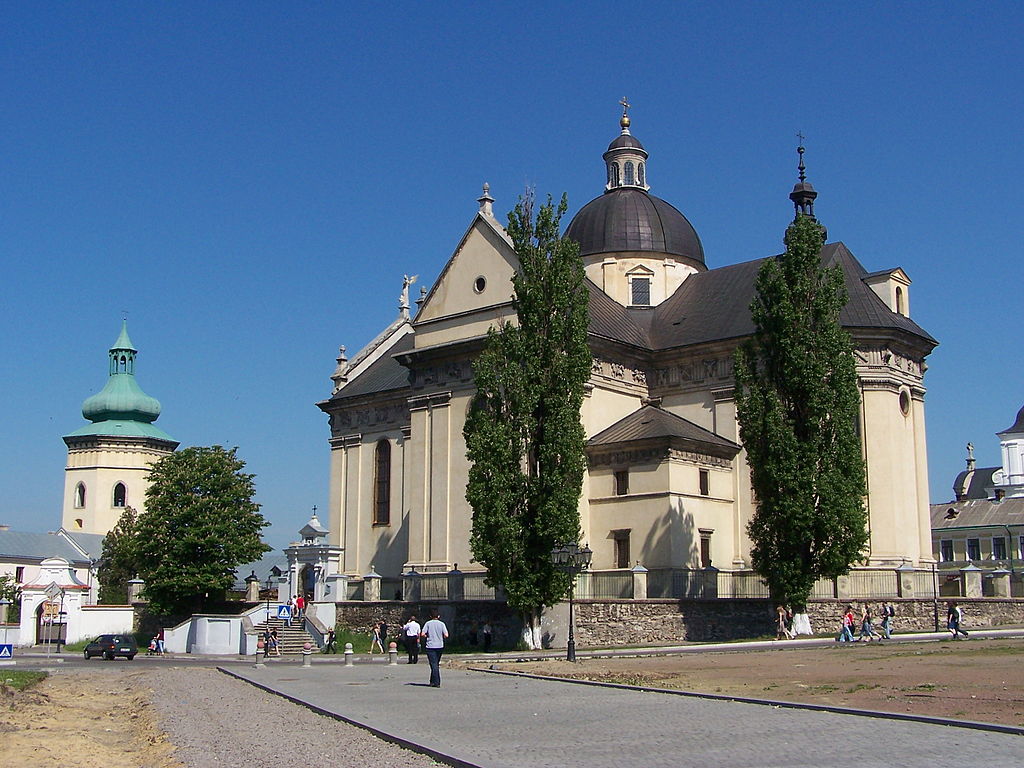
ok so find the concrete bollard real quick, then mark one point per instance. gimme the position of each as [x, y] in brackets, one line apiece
[392, 654]
[307, 654]
[259, 649]
[348, 654]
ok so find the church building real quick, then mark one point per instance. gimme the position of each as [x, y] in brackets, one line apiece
[667, 484]
[109, 459]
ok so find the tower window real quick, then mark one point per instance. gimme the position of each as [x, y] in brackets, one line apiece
[705, 546]
[613, 174]
[382, 484]
[640, 175]
[120, 495]
[80, 495]
[640, 288]
[621, 539]
[622, 482]
[628, 170]
[705, 481]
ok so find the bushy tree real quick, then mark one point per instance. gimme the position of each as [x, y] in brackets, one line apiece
[797, 405]
[119, 562]
[524, 438]
[200, 524]
[11, 592]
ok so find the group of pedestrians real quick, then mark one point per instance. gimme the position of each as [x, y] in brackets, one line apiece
[849, 623]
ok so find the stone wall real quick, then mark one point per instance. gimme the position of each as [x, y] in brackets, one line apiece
[605, 623]
[462, 619]
[920, 615]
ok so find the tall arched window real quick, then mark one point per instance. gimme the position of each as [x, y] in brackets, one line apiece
[382, 483]
[640, 175]
[613, 174]
[899, 301]
[80, 495]
[120, 495]
[628, 173]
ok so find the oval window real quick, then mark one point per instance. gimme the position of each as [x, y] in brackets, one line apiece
[479, 284]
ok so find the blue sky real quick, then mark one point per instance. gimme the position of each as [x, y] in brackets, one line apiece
[250, 181]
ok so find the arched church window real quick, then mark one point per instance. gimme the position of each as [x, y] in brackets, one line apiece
[80, 495]
[382, 483]
[613, 174]
[640, 175]
[899, 301]
[120, 495]
[628, 172]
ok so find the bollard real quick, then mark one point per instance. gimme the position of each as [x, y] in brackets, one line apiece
[392, 654]
[307, 653]
[259, 648]
[348, 654]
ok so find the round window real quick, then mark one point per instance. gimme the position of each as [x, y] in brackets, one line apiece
[905, 402]
[479, 284]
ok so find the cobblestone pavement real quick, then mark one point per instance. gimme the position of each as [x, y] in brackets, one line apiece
[495, 721]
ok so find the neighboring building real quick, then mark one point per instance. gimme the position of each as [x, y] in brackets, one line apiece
[668, 485]
[984, 525]
[109, 460]
[21, 554]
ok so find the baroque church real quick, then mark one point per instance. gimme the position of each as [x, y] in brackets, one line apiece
[667, 485]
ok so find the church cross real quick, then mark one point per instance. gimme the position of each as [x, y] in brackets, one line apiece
[625, 105]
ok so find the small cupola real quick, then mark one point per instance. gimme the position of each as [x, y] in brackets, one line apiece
[626, 158]
[803, 194]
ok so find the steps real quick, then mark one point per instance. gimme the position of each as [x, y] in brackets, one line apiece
[290, 639]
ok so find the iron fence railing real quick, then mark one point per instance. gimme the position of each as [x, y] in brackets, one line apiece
[604, 585]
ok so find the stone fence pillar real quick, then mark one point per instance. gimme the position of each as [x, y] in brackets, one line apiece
[135, 587]
[970, 581]
[252, 588]
[843, 587]
[905, 580]
[1000, 583]
[411, 586]
[709, 587]
[456, 584]
[337, 588]
[639, 582]
[371, 586]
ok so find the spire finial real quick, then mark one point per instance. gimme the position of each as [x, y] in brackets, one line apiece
[624, 120]
[486, 201]
[803, 193]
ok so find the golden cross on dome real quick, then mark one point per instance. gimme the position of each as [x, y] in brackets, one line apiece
[625, 106]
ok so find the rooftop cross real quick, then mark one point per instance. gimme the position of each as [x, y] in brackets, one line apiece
[625, 106]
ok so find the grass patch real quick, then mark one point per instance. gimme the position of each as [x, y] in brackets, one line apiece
[21, 679]
[862, 687]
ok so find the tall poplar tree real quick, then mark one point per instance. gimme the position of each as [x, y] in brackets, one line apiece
[797, 404]
[524, 437]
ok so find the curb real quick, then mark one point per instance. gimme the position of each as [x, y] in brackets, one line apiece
[412, 746]
[927, 719]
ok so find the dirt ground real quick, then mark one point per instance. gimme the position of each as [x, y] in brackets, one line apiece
[979, 680]
[83, 719]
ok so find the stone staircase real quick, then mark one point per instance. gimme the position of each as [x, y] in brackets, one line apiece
[291, 639]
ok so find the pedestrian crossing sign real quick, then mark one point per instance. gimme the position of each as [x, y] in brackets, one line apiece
[6, 651]
[284, 612]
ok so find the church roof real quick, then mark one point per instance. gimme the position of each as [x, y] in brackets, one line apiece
[978, 512]
[39, 546]
[650, 422]
[1017, 426]
[971, 483]
[630, 219]
[382, 375]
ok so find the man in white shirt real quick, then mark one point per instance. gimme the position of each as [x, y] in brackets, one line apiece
[411, 636]
[436, 633]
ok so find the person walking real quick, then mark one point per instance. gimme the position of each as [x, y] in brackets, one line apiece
[780, 623]
[300, 606]
[411, 635]
[375, 639]
[867, 626]
[275, 643]
[846, 633]
[160, 642]
[329, 646]
[954, 616]
[487, 637]
[887, 613]
[435, 633]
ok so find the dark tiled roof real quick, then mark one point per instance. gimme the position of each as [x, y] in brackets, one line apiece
[627, 141]
[382, 375]
[1018, 425]
[715, 305]
[651, 423]
[611, 320]
[91, 543]
[971, 484]
[979, 512]
[629, 219]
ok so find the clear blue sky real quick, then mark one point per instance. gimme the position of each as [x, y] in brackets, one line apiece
[250, 181]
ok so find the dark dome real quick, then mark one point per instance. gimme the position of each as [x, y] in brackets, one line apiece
[629, 219]
[626, 140]
[1018, 425]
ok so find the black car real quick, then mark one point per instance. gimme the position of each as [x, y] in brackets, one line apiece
[109, 646]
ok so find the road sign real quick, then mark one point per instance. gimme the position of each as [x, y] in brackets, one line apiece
[284, 612]
[53, 591]
[6, 651]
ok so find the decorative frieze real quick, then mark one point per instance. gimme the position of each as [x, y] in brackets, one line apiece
[885, 357]
[699, 372]
[369, 417]
[446, 373]
[619, 373]
[654, 456]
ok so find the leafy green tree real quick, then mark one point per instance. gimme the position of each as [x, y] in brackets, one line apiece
[119, 561]
[11, 592]
[200, 524]
[524, 438]
[797, 404]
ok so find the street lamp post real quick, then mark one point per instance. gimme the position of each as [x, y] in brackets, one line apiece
[4, 602]
[571, 559]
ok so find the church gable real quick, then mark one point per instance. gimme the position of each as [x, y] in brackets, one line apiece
[477, 276]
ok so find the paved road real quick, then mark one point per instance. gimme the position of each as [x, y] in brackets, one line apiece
[495, 721]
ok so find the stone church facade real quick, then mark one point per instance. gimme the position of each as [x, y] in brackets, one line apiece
[667, 486]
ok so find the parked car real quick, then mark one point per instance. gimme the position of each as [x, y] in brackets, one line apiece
[110, 646]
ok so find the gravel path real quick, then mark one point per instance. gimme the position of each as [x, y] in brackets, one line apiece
[215, 720]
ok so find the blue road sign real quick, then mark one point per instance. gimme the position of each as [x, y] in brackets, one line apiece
[6, 651]
[284, 612]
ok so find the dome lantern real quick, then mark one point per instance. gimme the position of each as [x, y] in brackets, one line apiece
[626, 158]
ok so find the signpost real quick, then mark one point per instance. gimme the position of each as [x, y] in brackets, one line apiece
[51, 613]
